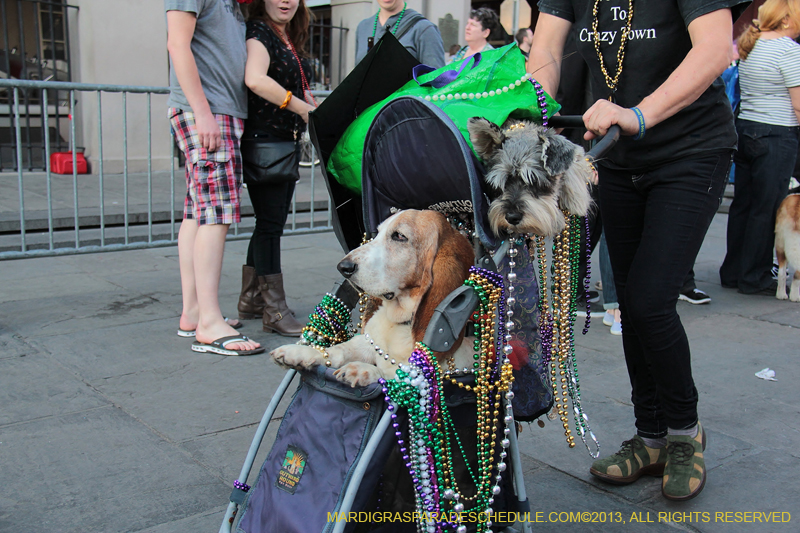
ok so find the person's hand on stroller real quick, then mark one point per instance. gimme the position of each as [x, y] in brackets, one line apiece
[604, 114]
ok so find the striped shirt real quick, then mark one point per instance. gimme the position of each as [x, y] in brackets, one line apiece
[764, 78]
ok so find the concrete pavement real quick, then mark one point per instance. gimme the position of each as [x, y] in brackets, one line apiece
[108, 422]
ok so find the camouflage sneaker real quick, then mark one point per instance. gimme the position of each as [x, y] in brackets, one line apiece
[685, 473]
[633, 460]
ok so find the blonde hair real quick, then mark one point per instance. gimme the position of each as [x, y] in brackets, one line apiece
[770, 18]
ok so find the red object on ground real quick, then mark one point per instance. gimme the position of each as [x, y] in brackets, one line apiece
[61, 163]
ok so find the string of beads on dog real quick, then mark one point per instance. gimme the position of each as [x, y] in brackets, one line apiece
[556, 327]
[429, 451]
[381, 353]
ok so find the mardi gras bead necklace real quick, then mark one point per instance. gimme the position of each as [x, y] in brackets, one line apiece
[371, 39]
[285, 39]
[556, 327]
[611, 82]
[329, 324]
[429, 451]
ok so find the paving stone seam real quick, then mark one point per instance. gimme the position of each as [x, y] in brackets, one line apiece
[757, 318]
[176, 445]
[226, 430]
[49, 417]
[110, 326]
[220, 510]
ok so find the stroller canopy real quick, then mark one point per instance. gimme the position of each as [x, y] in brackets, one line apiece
[416, 158]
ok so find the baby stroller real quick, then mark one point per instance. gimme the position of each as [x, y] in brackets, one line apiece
[410, 142]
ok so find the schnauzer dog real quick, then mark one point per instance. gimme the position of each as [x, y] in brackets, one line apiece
[538, 174]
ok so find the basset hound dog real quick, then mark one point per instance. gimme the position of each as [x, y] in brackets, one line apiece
[414, 262]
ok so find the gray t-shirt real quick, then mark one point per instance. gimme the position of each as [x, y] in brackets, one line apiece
[220, 52]
[420, 36]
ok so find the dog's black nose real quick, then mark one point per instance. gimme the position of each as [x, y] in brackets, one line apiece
[514, 217]
[347, 268]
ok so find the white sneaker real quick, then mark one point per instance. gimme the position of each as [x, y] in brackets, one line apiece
[695, 296]
[608, 318]
[616, 328]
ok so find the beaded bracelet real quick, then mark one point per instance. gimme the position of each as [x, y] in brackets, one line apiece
[640, 134]
[286, 100]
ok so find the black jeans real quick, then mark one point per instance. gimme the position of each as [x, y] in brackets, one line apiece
[271, 207]
[764, 165]
[655, 223]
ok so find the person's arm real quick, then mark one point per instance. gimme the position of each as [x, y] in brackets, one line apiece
[794, 94]
[430, 47]
[257, 80]
[547, 47]
[180, 31]
[709, 57]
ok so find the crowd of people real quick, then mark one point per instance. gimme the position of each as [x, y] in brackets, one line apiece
[240, 99]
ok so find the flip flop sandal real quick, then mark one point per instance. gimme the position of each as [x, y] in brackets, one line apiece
[218, 346]
[193, 333]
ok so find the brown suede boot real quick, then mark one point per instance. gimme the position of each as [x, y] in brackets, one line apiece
[277, 316]
[251, 303]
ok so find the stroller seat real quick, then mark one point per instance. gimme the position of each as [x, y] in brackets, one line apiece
[416, 158]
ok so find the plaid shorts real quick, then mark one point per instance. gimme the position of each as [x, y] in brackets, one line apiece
[213, 179]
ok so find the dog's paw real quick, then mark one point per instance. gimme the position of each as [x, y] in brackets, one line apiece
[357, 374]
[794, 298]
[295, 356]
[781, 295]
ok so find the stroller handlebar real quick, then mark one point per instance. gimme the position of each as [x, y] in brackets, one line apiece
[604, 144]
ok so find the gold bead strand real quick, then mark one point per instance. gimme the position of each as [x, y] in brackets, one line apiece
[611, 82]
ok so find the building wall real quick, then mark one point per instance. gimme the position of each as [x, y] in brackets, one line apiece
[119, 42]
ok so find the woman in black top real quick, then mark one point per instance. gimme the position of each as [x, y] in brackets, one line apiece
[655, 67]
[277, 108]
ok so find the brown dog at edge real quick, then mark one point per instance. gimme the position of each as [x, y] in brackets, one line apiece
[787, 246]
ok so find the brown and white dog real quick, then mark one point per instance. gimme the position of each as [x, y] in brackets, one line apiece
[787, 246]
[537, 172]
[414, 262]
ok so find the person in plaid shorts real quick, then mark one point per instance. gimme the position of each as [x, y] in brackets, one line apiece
[207, 107]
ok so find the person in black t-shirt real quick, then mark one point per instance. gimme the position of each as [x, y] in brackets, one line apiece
[655, 67]
[276, 76]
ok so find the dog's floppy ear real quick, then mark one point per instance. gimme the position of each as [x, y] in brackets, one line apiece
[557, 153]
[574, 195]
[454, 256]
[485, 136]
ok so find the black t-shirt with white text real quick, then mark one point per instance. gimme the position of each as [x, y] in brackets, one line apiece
[658, 43]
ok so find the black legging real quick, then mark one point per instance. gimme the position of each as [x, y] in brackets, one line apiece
[271, 207]
[655, 222]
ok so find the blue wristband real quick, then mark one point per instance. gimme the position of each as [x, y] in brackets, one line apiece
[640, 134]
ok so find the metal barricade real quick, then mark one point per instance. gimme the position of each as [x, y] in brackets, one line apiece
[111, 209]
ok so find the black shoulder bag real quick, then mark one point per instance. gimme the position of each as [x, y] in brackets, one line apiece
[270, 163]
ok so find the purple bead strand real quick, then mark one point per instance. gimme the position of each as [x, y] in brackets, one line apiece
[588, 277]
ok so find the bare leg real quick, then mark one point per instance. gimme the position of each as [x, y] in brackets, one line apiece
[204, 267]
[186, 240]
